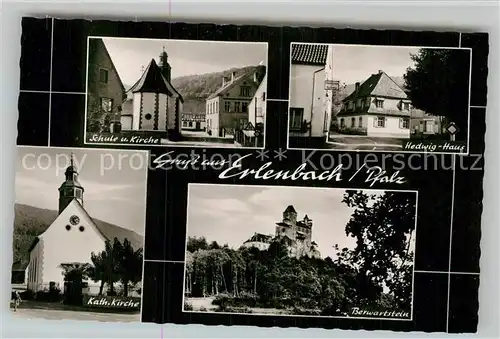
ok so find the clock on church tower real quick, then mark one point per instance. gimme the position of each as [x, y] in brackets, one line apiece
[70, 189]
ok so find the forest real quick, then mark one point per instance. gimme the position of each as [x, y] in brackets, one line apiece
[375, 275]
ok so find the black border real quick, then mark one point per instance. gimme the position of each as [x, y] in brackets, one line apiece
[447, 261]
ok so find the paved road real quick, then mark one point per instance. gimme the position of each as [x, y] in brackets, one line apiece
[74, 315]
[364, 143]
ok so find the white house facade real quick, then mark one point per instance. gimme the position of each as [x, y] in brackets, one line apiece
[310, 104]
[378, 107]
[257, 106]
[227, 108]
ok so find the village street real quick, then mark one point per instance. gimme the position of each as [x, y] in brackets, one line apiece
[27, 313]
[363, 143]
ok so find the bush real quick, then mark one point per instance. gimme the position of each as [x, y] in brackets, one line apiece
[52, 295]
[27, 295]
[351, 131]
[242, 300]
[188, 306]
[203, 309]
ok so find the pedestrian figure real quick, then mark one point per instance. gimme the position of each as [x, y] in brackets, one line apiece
[17, 300]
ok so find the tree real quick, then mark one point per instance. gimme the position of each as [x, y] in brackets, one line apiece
[129, 265]
[75, 271]
[194, 244]
[110, 261]
[383, 226]
[439, 83]
[97, 120]
[97, 270]
[74, 275]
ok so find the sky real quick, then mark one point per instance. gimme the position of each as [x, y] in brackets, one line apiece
[352, 63]
[115, 190]
[186, 57]
[232, 214]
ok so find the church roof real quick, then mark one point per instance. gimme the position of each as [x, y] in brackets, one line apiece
[152, 80]
[290, 208]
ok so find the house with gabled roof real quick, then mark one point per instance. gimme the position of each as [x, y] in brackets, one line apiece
[310, 98]
[378, 107]
[105, 90]
[71, 238]
[227, 108]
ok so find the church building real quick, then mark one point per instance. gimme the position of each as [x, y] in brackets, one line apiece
[297, 234]
[71, 238]
[153, 104]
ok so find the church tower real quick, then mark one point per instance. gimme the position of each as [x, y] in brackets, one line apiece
[70, 189]
[166, 70]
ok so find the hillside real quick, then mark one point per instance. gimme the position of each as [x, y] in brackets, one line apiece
[29, 222]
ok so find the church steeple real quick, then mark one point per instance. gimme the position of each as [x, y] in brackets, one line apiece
[165, 66]
[70, 189]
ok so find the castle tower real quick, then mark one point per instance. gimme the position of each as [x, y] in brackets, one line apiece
[70, 189]
[290, 214]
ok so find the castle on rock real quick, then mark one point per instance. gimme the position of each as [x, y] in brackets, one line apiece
[296, 234]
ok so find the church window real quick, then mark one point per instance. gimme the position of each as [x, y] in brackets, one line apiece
[103, 76]
[227, 106]
[244, 107]
[68, 227]
[74, 220]
[237, 106]
[78, 193]
[81, 228]
[190, 124]
[148, 116]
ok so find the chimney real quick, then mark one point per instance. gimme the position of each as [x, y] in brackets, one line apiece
[255, 77]
[223, 81]
[380, 71]
[233, 75]
[357, 86]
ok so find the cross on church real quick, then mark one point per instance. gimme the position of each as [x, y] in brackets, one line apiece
[71, 159]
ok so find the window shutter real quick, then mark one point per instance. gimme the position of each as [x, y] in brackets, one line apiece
[400, 105]
[400, 122]
[375, 122]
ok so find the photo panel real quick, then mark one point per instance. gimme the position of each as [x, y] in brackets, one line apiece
[79, 234]
[379, 98]
[188, 93]
[297, 251]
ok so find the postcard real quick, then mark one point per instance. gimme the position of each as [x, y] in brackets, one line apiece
[249, 175]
